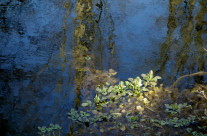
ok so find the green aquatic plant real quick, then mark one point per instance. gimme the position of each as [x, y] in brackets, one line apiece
[126, 94]
[142, 104]
[176, 122]
[176, 108]
[150, 79]
[195, 133]
[52, 130]
[79, 117]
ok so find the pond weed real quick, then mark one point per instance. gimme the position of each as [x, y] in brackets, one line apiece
[142, 105]
[52, 130]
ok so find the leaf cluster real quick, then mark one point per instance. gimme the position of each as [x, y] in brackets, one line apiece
[53, 130]
[140, 104]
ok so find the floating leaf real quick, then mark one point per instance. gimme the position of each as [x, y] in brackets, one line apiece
[88, 58]
[139, 108]
[117, 114]
[101, 130]
[123, 128]
[112, 72]
[145, 100]
[94, 111]
[84, 104]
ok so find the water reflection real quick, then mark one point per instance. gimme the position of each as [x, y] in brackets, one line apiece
[139, 28]
[30, 67]
[88, 49]
[89, 46]
[10, 24]
[182, 52]
[38, 77]
[54, 51]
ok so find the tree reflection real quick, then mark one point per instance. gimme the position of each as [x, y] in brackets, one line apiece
[90, 49]
[182, 52]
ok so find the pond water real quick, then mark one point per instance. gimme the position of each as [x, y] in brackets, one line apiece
[49, 48]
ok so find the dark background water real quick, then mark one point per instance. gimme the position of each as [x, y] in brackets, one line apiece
[41, 62]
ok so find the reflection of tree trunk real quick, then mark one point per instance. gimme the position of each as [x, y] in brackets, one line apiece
[198, 33]
[83, 38]
[64, 37]
[191, 35]
[198, 39]
[84, 35]
[109, 44]
[165, 48]
[78, 81]
[186, 35]
[88, 48]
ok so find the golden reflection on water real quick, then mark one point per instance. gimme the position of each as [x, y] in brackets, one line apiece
[83, 48]
[88, 50]
[83, 37]
[184, 44]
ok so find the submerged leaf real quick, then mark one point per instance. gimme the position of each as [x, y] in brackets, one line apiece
[84, 104]
[122, 128]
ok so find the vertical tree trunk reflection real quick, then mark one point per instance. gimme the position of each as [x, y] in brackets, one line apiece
[183, 47]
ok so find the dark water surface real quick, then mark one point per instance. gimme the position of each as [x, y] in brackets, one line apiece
[51, 50]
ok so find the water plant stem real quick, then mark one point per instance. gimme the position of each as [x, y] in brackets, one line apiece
[201, 73]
